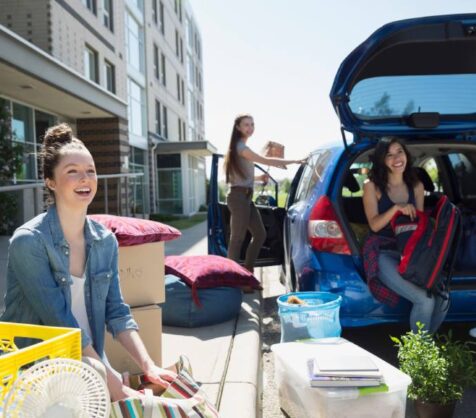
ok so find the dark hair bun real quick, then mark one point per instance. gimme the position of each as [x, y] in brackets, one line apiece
[59, 134]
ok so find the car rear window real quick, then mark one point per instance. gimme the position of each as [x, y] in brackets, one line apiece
[394, 96]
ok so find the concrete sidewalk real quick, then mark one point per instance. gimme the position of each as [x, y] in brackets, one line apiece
[226, 358]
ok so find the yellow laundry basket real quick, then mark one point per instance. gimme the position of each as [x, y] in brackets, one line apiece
[56, 342]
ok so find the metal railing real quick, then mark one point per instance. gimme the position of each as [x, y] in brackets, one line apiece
[122, 180]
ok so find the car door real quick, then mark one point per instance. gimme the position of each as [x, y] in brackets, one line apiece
[272, 252]
[288, 232]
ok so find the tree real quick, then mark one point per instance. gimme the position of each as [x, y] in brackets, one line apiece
[285, 185]
[382, 106]
[10, 164]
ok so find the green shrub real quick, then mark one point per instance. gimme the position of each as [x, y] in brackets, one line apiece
[440, 368]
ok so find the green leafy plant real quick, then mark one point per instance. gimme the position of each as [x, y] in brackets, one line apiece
[440, 367]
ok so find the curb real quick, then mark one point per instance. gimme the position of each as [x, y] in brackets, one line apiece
[241, 392]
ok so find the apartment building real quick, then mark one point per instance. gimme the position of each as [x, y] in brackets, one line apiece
[94, 64]
[175, 126]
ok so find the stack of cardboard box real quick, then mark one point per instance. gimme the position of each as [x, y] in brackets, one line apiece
[141, 274]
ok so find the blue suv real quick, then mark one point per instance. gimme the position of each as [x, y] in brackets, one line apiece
[415, 79]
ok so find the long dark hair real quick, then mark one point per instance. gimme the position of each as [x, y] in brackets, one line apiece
[379, 171]
[231, 163]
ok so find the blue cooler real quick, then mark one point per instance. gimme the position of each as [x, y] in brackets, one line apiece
[318, 318]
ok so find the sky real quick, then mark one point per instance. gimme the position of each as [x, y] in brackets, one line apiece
[277, 59]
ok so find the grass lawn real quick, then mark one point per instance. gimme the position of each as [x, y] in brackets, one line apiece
[177, 222]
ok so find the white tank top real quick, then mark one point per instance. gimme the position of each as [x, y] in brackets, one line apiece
[78, 304]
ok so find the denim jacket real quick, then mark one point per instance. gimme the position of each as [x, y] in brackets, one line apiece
[39, 282]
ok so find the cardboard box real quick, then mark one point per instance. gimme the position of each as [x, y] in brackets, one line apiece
[149, 319]
[141, 274]
[273, 150]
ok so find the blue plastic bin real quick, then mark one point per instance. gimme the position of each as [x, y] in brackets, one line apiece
[318, 318]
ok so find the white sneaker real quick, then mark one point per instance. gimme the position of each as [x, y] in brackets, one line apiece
[472, 332]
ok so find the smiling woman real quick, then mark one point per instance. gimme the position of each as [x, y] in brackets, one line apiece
[62, 266]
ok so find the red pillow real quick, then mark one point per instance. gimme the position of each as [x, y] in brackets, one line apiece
[205, 271]
[134, 231]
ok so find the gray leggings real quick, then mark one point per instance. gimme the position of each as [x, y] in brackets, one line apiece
[244, 217]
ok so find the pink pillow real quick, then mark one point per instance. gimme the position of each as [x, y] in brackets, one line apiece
[134, 231]
[205, 271]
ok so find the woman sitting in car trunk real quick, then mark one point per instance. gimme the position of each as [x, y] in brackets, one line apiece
[393, 186]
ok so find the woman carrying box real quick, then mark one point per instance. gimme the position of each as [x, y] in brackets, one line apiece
[239, 169]
[62, 267]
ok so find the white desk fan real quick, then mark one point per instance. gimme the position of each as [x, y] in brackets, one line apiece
[58, 388]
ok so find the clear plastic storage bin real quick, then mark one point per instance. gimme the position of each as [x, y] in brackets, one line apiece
[317, 318]
[300, 400]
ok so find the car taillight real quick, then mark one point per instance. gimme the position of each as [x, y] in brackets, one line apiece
[324, 231]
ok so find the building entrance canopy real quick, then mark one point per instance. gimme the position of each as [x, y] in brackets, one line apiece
[32, 76]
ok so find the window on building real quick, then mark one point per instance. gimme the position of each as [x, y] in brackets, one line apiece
[43, 121]
[169, 175]
[184, 130]
[165, 125]
[180, 11]
[134, 43]
[176, 6]
[183, 92]
[110, 76]
[107, 15]
[191, 107]
[163, 75]
[189, 33]
[154, 11]
[27, 127]
[136, 102]
[91, 5]
[190, 72]
[162, 18]
[140, 5]
[158, 118]
[156, 62]
[138, 164]
[23, 133]
[178, 87]
[177, 46]
[179, 129]
[181, 50]
[91, 64]
[197, 75]
[199, 50]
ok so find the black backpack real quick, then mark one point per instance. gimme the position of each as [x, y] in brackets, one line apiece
[428, 245]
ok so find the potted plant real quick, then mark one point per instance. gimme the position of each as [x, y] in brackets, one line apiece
[440, 369]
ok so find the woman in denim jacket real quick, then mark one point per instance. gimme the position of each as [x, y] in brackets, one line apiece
[62, 267]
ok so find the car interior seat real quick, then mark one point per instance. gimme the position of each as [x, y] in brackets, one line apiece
[354, 209]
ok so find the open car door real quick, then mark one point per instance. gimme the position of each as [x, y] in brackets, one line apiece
[272, 252]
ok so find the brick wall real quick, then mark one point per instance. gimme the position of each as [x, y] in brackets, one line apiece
[107, 140]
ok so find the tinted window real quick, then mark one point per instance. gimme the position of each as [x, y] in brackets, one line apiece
[354, 182]
[464, 168]
[383, 97]
[431, 168]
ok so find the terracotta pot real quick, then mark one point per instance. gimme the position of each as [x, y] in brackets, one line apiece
[434, 410]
